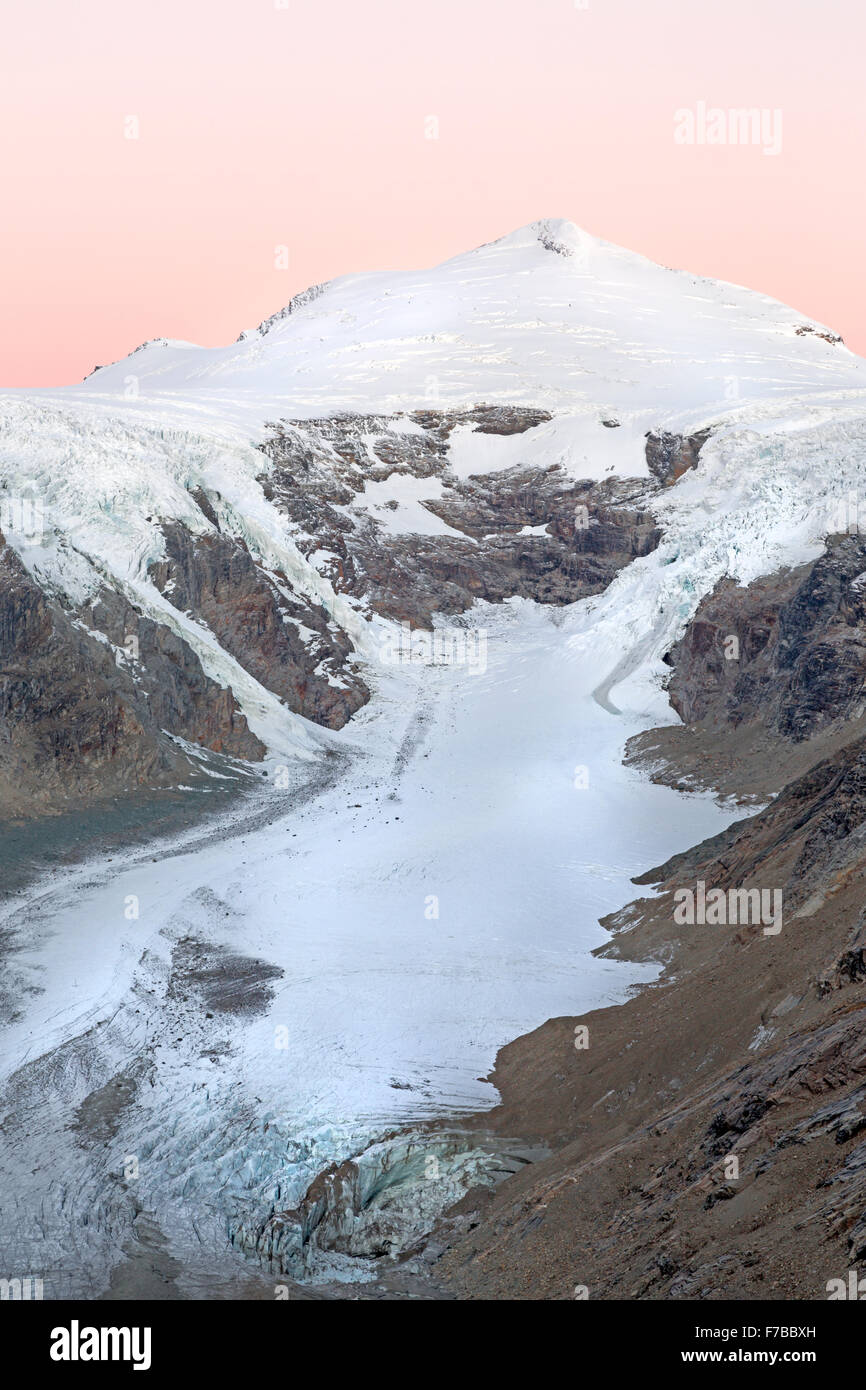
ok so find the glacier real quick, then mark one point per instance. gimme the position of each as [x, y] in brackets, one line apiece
[425, 884]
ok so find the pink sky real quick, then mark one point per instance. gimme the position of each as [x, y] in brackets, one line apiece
[304, 126]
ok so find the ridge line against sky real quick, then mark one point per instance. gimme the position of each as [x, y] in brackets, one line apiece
[181, 171]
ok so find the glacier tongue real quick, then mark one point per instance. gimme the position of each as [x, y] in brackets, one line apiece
[464, 796]
[437, 898]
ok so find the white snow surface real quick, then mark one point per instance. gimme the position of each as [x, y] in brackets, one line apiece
[409, 515]
[549, 315]
[457, 789]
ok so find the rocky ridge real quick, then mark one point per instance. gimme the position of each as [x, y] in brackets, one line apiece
[101, 701]
[766, 678]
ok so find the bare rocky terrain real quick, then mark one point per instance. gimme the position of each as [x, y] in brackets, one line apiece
[766, 678]
[320, 470]
[85, 713]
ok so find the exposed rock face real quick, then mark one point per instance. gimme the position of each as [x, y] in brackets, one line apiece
[296, 302]
[412, 578]
[767, 678]
[799, 660]
[320, 470]
[710, 1137]
[669, 456]
[832, 338]
[80, 717]
[287, 643]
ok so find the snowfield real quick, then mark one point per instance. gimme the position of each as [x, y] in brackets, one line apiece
[548, 315]
[428, 884]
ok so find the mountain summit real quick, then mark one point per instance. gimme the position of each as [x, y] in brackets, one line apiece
[547, 314]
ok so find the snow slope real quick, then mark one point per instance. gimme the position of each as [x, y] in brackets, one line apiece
[612, 344]
[548, 315]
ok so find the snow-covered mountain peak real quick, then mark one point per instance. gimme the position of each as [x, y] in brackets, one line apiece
[554, 234]
[547, 315]
[433, 403]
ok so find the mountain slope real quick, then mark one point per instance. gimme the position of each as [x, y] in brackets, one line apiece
[549, 316]
[498, 426]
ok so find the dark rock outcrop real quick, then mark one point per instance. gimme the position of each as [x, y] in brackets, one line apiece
[669, 456]
[768, 679]
[592, 529]
[286, 642]
[82, 717]
[798, 659]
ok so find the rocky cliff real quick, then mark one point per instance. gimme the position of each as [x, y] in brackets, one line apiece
[94, 702]
[525, 530]
[766, 678]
